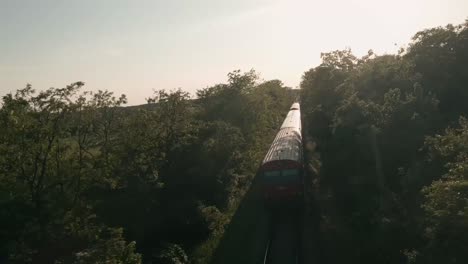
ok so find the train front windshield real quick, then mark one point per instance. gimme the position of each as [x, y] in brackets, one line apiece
[281, 176]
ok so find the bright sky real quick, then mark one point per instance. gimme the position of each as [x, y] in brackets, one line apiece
[133, 47]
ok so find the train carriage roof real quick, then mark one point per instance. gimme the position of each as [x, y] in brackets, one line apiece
[293, 120]
[295, 106]
[287, 144]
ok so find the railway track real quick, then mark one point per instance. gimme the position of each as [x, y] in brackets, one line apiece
[284, 241]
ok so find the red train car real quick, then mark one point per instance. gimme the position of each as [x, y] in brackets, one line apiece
[282, 169]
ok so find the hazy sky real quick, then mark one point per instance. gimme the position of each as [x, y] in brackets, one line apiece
[133, 47]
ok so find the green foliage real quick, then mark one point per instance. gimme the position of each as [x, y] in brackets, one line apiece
[446, 200]
[53, 152]
[103, 244]
[80, 175]
[439, 54]
[172, 254]
[370, 118]
[339, 59]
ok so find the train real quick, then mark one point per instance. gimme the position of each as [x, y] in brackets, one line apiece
[282, 169]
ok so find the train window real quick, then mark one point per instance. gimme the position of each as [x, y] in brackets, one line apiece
[281, 177]
[272, 177]
[291, 174]
[272, 174]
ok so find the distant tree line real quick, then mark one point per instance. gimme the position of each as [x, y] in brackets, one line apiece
[392, 135]
[85, 180]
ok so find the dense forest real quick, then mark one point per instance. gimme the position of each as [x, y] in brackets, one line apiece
[391, 149]
[84, 179]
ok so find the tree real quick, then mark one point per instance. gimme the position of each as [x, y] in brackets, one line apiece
[446, 199]
[46, 167]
